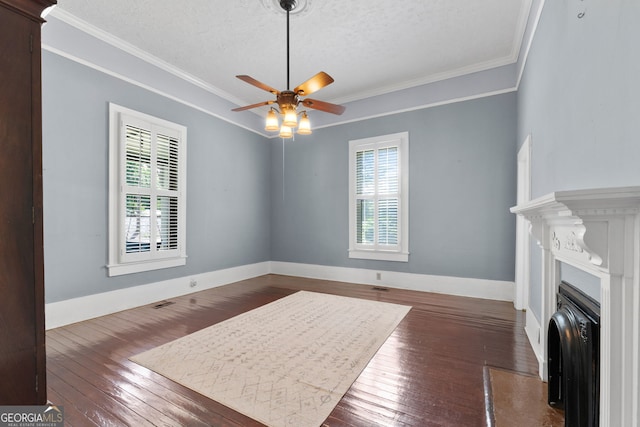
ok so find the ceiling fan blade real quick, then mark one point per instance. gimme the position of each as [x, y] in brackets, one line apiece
[248, 107]
[257, 84]
[323, 106]
[314, 84]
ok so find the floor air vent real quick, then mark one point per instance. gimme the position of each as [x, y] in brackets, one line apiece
[163, 304]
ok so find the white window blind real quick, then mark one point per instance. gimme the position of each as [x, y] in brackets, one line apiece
[147, 192]
[379, 198]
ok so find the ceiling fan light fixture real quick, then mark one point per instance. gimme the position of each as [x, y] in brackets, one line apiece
[304, 127]
[288, 100]
[285, 132]
[272, 124]
[290, 117]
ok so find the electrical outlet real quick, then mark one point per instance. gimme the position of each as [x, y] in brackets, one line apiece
[378, 276]
[193, 283]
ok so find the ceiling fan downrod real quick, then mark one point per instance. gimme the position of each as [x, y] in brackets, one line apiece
[288, 100]
[288, 6]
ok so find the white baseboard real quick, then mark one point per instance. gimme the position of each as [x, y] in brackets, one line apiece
[462, 286]
[532, 328]
[78, 309]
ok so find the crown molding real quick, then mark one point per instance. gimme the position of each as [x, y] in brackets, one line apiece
[116, 42]
[433, 78]
[153, 89]
[488, 79]
[528, 41]
[512, 58]
[420, 107]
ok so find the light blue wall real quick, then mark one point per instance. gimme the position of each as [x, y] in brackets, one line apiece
[240, 212]
[462, 184]
[579, 98]
[228, 182]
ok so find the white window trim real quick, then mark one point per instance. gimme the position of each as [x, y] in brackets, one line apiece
[357, 251]
[115, 266]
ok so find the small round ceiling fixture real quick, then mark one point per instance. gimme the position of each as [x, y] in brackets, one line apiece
[300, 7]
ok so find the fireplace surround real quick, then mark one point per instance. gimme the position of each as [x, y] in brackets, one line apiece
[597, 231]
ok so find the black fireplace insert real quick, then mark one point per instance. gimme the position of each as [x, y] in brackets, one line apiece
[574, 357]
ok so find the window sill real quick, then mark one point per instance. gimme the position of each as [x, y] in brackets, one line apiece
[379, 255]
[139, 267]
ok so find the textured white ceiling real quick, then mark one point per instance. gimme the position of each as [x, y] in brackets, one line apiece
[369, 47]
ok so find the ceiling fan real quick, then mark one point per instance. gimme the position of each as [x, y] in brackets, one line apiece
[288, 100]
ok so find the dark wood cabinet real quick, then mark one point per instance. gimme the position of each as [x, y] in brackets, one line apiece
[22, 339]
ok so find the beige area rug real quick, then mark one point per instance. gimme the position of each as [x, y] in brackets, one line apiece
[287, 363]
[520, 400]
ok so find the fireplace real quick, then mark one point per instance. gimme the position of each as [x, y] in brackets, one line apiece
[596, 231]
[574, 357]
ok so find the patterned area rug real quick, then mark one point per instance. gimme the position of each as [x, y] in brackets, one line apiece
[287, 363]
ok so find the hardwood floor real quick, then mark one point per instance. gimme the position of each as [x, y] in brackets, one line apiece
[428, 373]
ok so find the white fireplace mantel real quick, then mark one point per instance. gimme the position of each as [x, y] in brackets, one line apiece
[597, 231]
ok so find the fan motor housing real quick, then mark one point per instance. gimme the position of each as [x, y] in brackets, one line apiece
[287, 98]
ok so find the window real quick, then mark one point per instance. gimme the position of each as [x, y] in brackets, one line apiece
[378, 198]
[147, 192]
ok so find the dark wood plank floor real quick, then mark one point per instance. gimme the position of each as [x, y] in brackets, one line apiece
[428, 373]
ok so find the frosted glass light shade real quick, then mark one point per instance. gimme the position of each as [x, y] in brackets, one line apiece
[285, 132]
[272, 121]
[290, 118]
[304, 128]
